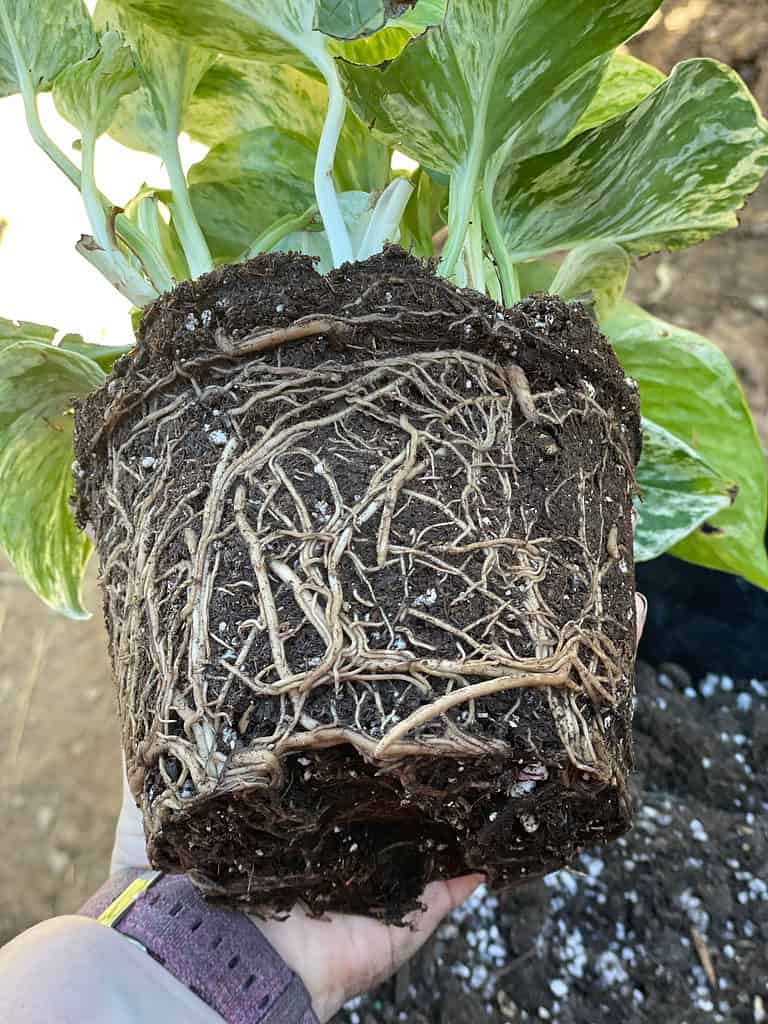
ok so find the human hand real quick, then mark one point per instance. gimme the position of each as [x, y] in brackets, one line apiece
[341, 955]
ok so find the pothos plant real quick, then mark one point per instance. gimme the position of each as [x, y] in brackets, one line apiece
[533, 135]
[364, 531]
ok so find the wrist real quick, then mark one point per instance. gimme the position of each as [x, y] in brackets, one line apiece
[294, 947]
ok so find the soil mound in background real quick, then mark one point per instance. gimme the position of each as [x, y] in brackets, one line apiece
[669, 923]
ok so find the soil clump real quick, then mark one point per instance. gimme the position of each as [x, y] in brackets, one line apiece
[366, 556]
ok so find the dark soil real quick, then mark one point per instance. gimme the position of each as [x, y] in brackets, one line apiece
[669, 923]
[708, 621]
[310, 549]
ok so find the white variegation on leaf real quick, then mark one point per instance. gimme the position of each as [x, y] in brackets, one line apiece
[170, 74]
[596, 272]
[236, 96]
[495, 74]
[680, 491]
[688, 387]
[38, 39]
[37, 384]
[88, 93]
[671, 172]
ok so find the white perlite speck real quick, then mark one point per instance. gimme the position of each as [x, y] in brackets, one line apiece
[610, 969]
[218, 437]
[697, 831]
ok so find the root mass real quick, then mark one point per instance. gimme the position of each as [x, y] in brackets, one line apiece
[366, 557]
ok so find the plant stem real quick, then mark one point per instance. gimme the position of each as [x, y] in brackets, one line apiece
[102, 251]
[268, 239]
[91, 199]
[150, 259]
[474, 250]
[325, 192]
[192, 239]
[462, 194]
[29, 98]
[386, 217]
[510, 283]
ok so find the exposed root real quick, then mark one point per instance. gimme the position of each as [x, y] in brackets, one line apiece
[342, 555]
[467, 693]
[263, 341]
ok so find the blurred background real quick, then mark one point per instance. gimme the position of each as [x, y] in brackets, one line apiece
[59, 744]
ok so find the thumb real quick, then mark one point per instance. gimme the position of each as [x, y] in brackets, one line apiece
[641, 612]
[440, 898]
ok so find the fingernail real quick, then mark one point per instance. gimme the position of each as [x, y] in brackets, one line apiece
[643, 610]
[476, 879]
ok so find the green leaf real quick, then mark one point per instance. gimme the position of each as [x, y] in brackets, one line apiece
[170, 73]
[49, 35]
[626, 82]
[24, 330]
[478, 91]
[362, 162]
[105, 356]
[21, 330]
[237, 96]
[669, 173]
[425, 214]
[423, 15]
[348, 19]
[688, 387]
[679, 490]
[596, 272]
[258, 29]
[87, 94]
[38, 383]
[536, 276]
[461, 90]
[242, 186]
[278, 33]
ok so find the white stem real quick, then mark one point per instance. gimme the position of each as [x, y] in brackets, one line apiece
[385, 220]
[474, 250]
[325, 192]
[192, 239]
[90, 193]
